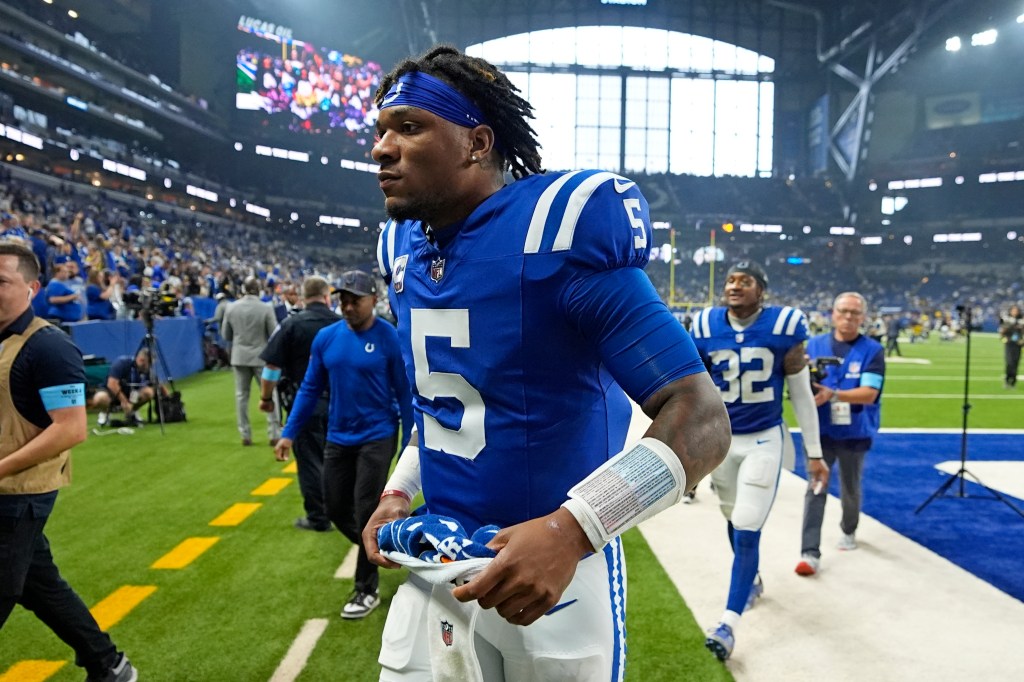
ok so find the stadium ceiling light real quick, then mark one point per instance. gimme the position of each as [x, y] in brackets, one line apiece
[73, 14]
[984, 38]
[1020, 19]
[953, 44]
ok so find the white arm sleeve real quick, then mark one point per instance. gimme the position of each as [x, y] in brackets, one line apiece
[806, 412]
[629, 488]
[406, 476]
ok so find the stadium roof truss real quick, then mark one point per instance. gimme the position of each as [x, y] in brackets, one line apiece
[864, 53]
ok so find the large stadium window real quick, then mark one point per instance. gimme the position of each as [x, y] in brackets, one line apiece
[631, 99]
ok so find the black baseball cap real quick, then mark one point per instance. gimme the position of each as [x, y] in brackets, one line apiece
[357, 282]
[749, 267]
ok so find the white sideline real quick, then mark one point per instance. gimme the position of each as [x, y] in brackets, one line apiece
[298, 653]
[891, 610]
[347, 569]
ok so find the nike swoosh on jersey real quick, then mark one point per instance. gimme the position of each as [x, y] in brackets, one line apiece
[621, 187]
[559, 607]
[762, 442]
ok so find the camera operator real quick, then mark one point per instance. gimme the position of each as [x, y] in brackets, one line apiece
[1011, 330]
[848, 399]
[128, 387]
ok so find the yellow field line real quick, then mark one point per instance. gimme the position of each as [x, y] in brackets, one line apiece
[185, 553]
[119, 603]
[272, 486]
[31, 671]
[236, 513]
[292, 468]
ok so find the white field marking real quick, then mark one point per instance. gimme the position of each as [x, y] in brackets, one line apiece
[894, 429]
[298, 653]
[348, 565]
[1007, 477]
[897, 360]
[887, 597]
[948, 396]
[959, 377]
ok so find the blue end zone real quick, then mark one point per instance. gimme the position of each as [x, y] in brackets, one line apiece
[977, 533]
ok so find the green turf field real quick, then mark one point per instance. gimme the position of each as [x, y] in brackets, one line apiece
[233, 612]
[925, 388]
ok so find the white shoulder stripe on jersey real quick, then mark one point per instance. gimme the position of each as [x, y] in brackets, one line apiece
[780, 322]
[577, 201]
[386, 249]
[793, 322]
[380, 251]
[535, 234]
[702, 324]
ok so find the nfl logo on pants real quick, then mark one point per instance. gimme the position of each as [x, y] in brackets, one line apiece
[447, 632]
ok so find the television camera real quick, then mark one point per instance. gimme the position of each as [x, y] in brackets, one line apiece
[150, 302]
[819, 367]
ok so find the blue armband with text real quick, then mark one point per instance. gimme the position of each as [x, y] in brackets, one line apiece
[59, 397]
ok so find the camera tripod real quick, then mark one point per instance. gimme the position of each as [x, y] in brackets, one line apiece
[151, 345]
[963, 471]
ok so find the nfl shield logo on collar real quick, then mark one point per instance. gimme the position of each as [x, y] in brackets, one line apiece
[447, 633]
[437, 269]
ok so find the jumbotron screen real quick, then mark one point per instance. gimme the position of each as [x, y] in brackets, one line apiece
[293, 87]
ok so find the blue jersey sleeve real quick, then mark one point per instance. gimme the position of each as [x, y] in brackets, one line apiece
[400, 385]
[640, 341]
[601, 219]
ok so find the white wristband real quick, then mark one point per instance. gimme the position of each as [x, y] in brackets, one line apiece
[629, 488]
[406, 476]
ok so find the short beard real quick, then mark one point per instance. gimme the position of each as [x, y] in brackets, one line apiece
[424, 210]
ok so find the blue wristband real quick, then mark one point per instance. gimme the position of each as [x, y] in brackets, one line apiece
[271, 374]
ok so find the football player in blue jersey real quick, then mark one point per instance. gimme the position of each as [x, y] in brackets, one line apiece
[525, 320]
[749, 348]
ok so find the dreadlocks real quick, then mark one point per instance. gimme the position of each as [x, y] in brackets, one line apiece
[490, 90]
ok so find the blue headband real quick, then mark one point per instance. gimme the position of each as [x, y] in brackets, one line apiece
[423, 91]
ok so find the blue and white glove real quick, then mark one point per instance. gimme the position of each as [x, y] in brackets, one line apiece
[437, 548]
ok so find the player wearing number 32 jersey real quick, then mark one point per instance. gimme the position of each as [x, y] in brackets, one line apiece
[750, 349]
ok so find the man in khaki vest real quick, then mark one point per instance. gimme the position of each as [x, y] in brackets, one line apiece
[42, 416]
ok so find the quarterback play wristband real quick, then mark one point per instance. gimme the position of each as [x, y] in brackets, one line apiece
[629, 488]
[405, 479]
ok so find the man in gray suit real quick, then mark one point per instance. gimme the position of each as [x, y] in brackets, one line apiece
[248, 323]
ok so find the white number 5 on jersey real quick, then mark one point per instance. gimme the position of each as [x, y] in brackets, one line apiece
[469, 439]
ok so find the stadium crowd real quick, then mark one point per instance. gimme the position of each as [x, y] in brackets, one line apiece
[111, 248]
[114, 248]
